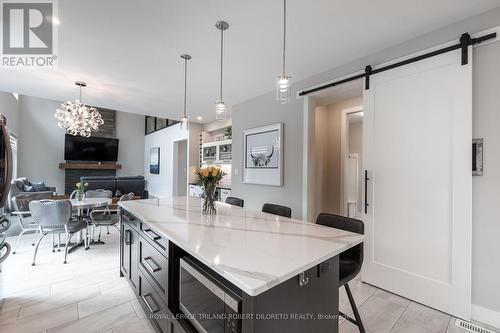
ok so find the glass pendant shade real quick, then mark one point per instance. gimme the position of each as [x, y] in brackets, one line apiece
[184, 118]
[220, 111]
[283, 84]
[185, 121]
[78, 118]
[283, 81]
[220, 107]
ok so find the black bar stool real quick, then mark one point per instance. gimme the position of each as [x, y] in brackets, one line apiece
[350, 261]
[235, 201]
[277, 210]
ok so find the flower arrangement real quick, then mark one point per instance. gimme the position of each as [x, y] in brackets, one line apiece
[208, 178]
[80, 190]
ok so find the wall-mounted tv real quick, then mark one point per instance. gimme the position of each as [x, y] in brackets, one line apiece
[77, 148]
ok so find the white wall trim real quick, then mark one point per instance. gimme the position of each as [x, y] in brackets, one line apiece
[486, 316]
[344, 150]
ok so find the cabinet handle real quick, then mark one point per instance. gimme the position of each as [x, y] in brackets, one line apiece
[128, 237]
[151, 310]
[366, 191]
[151, 234]
[149, 266]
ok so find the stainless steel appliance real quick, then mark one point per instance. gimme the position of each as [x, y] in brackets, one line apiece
[5, 179]
[210, 306]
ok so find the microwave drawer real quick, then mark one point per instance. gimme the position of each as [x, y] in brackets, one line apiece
[154, 306]
[155, 264]
[160, 242]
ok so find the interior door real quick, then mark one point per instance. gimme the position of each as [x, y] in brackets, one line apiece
[417, 151]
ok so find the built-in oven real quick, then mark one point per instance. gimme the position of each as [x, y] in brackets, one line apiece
[210, 306]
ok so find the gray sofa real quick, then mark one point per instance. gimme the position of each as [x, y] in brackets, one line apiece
[24, 186]
[123, 185]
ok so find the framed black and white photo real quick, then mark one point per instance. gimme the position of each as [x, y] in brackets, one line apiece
[154, 160]
[263, 155]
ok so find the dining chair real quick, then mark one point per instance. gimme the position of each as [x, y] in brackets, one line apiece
[99, 193]
[55, 217]
[107, 217]
[350, 261]
[235, 201]
[26, 223]
[277, 210]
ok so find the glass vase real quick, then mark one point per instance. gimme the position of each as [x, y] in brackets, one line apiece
[210, 198]
[79, 196]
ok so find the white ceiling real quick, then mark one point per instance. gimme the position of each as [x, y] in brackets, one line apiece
[128, 51]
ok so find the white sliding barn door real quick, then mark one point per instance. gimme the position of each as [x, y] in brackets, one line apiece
[417, 151]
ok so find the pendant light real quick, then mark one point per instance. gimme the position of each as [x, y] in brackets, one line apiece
[185, 119]
[283, 82]
[220, 107]
[77, 118]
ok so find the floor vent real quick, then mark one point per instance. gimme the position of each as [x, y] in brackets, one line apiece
[471, 327]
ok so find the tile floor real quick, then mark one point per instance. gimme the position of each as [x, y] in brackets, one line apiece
[87, 295]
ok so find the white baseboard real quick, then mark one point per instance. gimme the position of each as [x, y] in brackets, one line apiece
[486, 316]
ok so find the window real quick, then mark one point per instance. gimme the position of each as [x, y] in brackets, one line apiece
[154, 124]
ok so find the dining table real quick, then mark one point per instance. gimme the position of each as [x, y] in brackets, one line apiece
[80, 206]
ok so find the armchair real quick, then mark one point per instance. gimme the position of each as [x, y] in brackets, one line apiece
[24, 186]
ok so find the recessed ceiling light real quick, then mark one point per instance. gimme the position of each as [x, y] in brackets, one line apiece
[199, 118]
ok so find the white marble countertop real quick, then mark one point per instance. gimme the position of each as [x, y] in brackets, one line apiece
[253, 250]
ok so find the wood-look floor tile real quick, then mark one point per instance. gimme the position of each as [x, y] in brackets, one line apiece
[421, 319]
[105, 301]
[381, 312]
[101, 321]
[58, 300]
[138, 309]
[42, 321]
[9, 316]
[133, 325]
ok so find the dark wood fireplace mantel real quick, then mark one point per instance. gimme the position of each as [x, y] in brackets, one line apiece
[90, 166]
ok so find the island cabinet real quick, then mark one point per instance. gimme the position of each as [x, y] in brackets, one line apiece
[144, 262]
[237, 272]
[129, 240]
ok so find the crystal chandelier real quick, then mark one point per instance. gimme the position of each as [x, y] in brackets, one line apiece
[78, 118]
[283, 82]
[185, 119]
[220, 107]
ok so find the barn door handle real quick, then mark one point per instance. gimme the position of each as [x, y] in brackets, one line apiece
[366, 191]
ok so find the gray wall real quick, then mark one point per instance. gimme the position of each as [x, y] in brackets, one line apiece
[41, 142]
[486, 188]
[260, 111]
[264, 110]
[10, 109]
[130, 131]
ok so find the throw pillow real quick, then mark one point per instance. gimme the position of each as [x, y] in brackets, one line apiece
[28, 188]
[40, 187]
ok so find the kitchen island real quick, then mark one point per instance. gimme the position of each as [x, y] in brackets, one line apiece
[237, 271]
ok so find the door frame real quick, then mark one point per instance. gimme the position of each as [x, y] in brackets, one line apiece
[344, 151]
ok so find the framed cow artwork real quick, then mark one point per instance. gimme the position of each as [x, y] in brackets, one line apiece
[263, 155]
